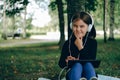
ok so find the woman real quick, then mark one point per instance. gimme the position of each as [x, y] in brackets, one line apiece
[81, 46]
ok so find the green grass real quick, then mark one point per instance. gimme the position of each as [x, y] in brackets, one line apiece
[109, 54]
[40, 60]
[29, 62]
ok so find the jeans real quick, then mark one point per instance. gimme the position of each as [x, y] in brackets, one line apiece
[78, 70]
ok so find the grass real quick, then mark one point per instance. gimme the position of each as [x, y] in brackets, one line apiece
[29, 62]
[109, 54]
[40, 60]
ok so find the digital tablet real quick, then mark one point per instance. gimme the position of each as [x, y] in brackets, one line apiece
[95, 63]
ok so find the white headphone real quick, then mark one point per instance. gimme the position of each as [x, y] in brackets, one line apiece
[90, 25]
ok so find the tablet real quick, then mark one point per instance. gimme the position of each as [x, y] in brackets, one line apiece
[95, 63]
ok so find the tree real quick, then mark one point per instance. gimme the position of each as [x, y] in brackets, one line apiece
[25, 2]
[61, 22]
[4, 34]
[60, 10]
[104, 20]
[111, 33]
[14, 7]
[24, 23]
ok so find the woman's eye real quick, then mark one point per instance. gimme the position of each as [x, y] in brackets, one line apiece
[81, 26]
[75, 26]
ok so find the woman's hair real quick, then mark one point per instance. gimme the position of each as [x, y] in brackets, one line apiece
[87, 19]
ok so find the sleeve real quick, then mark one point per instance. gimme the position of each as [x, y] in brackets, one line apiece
[63, 56]
[93, 49]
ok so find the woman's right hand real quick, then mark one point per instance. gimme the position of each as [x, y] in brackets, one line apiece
[70, 58]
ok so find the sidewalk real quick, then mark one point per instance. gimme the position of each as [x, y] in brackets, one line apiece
[100, 77]
[103, 77]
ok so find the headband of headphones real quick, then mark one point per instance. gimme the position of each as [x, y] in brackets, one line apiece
[89, 26]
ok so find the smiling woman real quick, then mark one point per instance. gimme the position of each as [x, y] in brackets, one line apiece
[40, 13]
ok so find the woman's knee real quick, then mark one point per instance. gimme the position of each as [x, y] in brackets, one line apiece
[88, 66]
[77, 65]
[77, 68]
[75, 72]
[89, 70]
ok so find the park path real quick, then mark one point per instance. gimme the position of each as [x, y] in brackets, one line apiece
[19, 42]
[33, 39]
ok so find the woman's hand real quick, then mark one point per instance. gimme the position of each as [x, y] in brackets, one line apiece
[70, 58]
[79, 43]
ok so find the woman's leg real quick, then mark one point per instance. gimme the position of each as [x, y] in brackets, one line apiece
[89, 71]
[75, 72]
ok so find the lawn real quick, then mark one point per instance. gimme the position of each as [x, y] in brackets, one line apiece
[40, 60]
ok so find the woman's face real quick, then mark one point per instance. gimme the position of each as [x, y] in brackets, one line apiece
[79, 28]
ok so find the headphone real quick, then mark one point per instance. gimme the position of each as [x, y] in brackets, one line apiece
[89, 26]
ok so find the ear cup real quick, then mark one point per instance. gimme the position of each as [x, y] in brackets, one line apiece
[92, 23]
[90, 27]
[70, 25]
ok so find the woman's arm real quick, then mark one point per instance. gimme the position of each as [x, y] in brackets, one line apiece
[93, 49]
[64, 54]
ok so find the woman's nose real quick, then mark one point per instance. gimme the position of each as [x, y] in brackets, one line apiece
[78, 28]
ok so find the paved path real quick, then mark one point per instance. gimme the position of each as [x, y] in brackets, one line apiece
[19, 42]
[100, 77]
[33, 39]
[103, 77]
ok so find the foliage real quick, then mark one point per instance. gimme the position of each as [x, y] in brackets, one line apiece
[28, 23]
[53, 5]
[98, 14]
[28, 35]
[29, 62]
[90, 5]
[14, 6]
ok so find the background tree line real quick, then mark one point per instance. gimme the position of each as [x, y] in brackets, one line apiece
[105, 13]
[11, 8]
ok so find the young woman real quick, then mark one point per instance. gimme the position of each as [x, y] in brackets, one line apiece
[81, 46]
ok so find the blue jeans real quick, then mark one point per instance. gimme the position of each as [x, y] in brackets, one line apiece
[78, 70]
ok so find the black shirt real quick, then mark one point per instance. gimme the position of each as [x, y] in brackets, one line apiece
[87, 53]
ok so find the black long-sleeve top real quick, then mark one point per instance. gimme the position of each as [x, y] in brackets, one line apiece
[87, 53]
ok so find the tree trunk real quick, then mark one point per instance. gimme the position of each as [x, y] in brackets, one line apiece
[74, 6]
[24, 24]
[104, 20]
[4, 32]
[111, 33]
[61, 22]
[13, 25]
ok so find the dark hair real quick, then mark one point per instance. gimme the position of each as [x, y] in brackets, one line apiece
[87, 19]
[92, 33]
